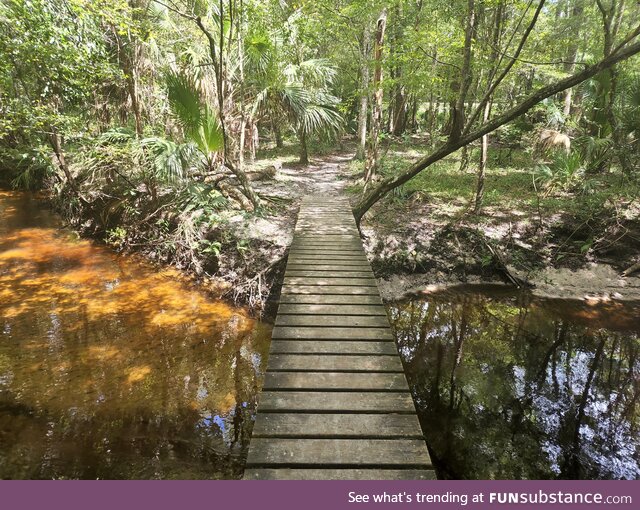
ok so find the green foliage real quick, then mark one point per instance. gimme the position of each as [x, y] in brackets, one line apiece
[199, 121]
[116, 237]
[566, 172]
[25, 168]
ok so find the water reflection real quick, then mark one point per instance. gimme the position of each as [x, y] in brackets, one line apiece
[512, 387]
[110, 368]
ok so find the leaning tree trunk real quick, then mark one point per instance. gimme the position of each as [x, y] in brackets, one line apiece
[372, 163]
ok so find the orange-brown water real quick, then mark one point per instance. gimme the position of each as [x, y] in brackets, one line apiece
[111, 368]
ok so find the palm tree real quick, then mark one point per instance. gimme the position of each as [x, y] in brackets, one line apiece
[199, 122]
[202, 128]
[299, 93]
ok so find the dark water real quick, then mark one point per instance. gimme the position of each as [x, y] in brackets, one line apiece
[110, 368]
[513, 387]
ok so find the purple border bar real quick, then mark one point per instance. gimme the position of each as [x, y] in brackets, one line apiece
[306, 495]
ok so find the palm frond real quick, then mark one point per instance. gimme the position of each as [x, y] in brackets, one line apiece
[115, 136]
[184, 100]
[258, 52]
[166, 158]
[211, 132]
[321, 118]
[317, 72]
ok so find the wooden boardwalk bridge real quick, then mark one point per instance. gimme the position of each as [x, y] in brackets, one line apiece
[335, 402]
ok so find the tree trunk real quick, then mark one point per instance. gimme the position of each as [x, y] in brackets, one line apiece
[304, 151]
[372, 163]
[400, 109]
[216, 52]
[460, 86]
[132, 86]
[277, 134]
[572, 54]
[243, 136]
[414, 114]
[364, 93]
[56, 145]
[464, 159]
[482, 167]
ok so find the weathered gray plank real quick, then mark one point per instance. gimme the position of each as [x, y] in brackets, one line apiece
[334, 363]
[324, 261]
[332, 347]
[329, 299]
[336, 401]
[338, 474]
[337, 425]
[328, 281]
[332, 274]
[349, 321]
[322, 251]
[323, 266]
[333, 309]
[327, 252]
[315, 257]
[330, 289]
[353, 244]
[336, 452]
[295, 332]
[325, 238]
[354, 381]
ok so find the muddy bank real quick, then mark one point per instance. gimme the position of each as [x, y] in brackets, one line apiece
[418, 245]
[233, 254]
[596, 284]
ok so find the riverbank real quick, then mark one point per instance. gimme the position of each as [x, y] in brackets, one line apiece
[567, 243]
[560, 244]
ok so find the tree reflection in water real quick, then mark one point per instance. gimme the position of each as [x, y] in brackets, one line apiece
[511, 386]
[110, 368]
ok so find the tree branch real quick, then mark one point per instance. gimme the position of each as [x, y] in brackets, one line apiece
[506, 70]
[390, 183]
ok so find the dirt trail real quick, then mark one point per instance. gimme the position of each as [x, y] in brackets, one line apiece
[329, 175]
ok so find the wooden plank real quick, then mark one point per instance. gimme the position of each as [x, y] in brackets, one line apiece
[350, 321]
[318, 346]
[335, 363]
[338, 452]
[336, 401]
[322, 274]
[332, 309]
[327, 238]
[330, 268]
[328, 281]
[295, 332]
[321, 251]
[354, 381]
[314, 257]
[324, 299]
[332, 347]
[337, 425]
[338, 474]
[329, 289]
[310, 262]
